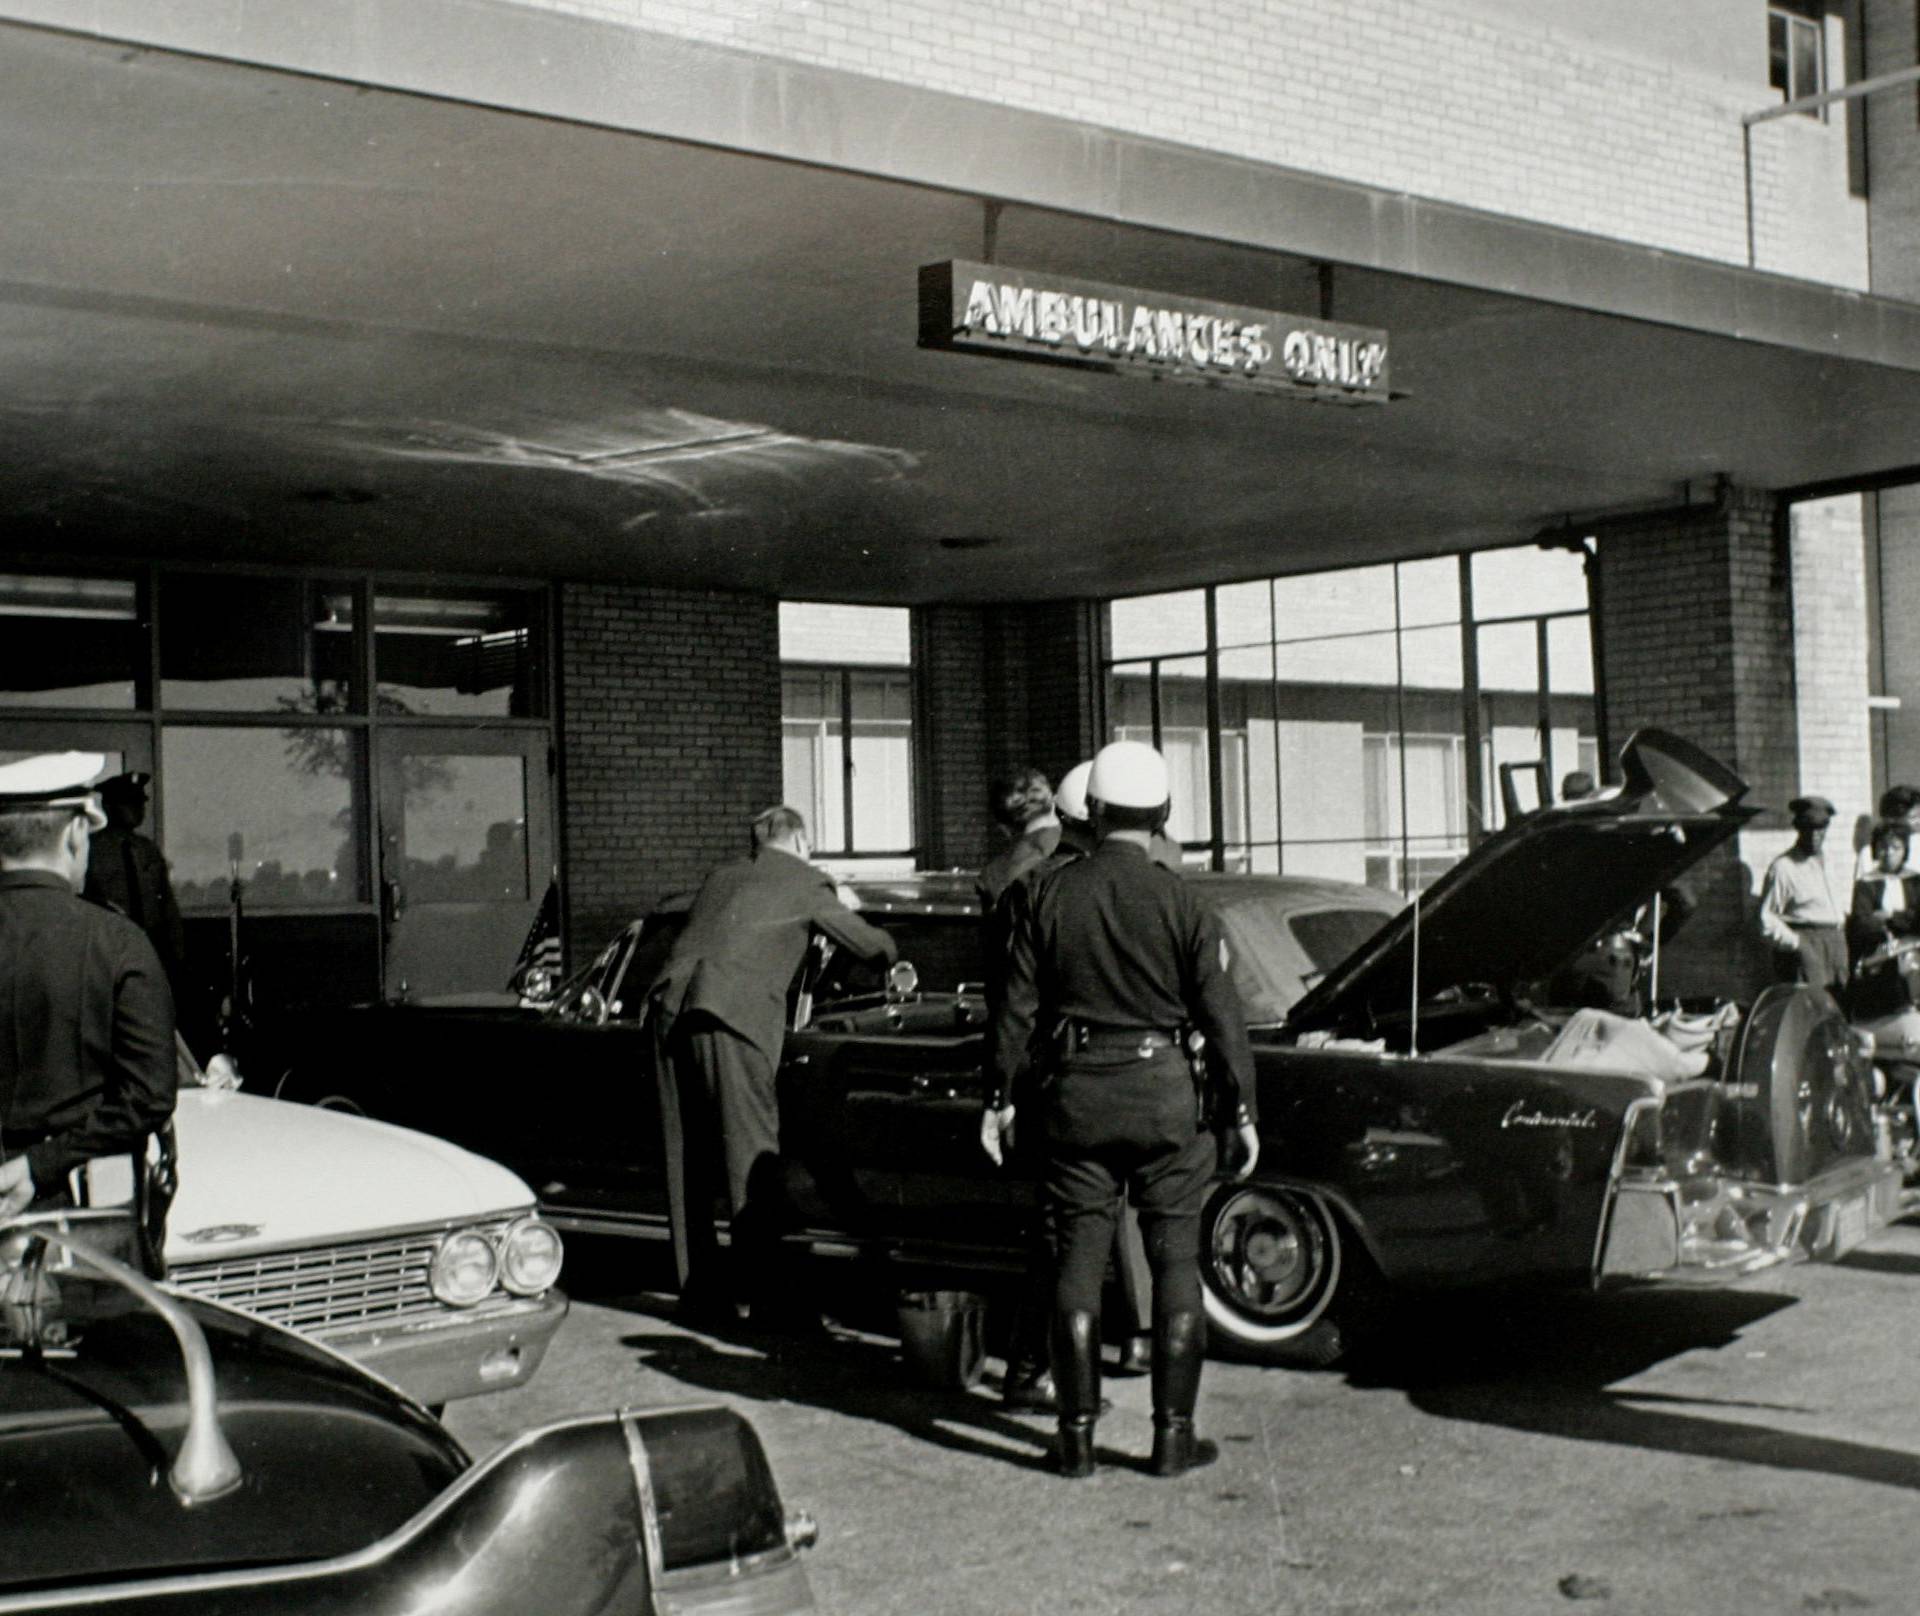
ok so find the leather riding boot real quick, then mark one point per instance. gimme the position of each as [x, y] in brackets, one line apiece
[1179, 1346]
[1076, 1376]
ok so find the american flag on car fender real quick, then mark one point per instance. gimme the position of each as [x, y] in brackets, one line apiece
[542, 949]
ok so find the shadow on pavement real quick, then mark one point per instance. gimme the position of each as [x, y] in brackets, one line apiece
[1883, 1262]
[1549, 1365]
[845, 1374]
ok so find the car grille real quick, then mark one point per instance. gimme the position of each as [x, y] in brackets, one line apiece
[322, 1288]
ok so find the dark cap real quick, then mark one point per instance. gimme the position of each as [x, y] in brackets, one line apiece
[53, 780]
[1811, 810]
[131, 784]
[1576, 785]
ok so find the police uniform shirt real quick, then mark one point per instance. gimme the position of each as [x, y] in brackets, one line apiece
[1116, 941]
[86, 1029]
[126, 871]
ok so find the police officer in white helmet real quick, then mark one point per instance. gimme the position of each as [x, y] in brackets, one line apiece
[1116, 960]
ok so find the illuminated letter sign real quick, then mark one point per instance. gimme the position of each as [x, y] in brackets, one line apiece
[990, 309]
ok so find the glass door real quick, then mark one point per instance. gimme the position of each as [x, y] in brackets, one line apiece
[466, 854]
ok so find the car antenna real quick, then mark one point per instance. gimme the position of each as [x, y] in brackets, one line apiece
[1413, 1020]
[1653, 969]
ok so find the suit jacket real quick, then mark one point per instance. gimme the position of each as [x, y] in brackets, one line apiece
[745, 938]
[86, 1029]
[1023, 853]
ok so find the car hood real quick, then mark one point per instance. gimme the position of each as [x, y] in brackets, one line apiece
[1526, 901]
[257, 1174]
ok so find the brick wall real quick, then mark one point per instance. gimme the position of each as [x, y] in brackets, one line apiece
[1557, 110]
[670, 729]
[1697, 637]
[999, 686]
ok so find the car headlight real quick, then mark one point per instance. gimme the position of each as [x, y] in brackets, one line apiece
[530, 1257]
[464, 1269]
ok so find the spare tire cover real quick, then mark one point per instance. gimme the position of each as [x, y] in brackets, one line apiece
[1807, 1099]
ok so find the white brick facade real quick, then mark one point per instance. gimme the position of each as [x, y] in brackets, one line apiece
[1623, 120]
[1830, 667]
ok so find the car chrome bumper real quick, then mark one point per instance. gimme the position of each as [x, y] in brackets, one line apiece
[1710, 1230]
[456, 1354]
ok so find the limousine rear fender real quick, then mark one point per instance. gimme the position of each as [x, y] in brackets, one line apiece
[555, 1522]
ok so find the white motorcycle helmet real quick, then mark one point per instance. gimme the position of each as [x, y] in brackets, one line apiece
[1128, 774]
[1070, 797]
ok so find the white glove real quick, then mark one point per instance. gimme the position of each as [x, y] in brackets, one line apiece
[996, 1133]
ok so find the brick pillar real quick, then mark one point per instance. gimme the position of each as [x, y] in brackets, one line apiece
[670, 732]
[998, 686]
[950, 716]
[1696, 637]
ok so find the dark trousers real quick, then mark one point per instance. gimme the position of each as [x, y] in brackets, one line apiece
[720, 1089]
[1115, 1124]
[1820, 958]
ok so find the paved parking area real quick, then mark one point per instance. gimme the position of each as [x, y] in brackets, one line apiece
[1749, 1450]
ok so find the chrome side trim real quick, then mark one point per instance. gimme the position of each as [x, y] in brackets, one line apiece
[1615, 1174]
[642, 1468]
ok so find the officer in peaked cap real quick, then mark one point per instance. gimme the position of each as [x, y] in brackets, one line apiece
[1115, 959]
[127, 872]
[1799, 913]
[86, 1017]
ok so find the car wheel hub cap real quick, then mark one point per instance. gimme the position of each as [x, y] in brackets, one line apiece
[1270, 1254]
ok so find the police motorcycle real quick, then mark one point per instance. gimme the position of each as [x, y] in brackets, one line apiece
[1882, 1010]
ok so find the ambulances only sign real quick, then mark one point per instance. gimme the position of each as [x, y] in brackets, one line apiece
[988, 308]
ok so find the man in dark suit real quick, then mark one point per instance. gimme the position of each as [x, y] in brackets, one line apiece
[126, 871]
[86, 1020]
[719, 1019]
[1022, 805]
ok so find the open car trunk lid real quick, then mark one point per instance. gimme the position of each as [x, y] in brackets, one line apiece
[1527, 901]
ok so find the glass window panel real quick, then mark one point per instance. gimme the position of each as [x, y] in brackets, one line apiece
[882, 696]
[69, 642]
[1354, 659]
[1430, 591]
[1354, 600]
[814, 631]
[1512, 583]
[1779, 65]
[280, 801]
[1509, 658]
[799, 769]
[1805, 37]
[116, 760]
[1432, 659]
[1570, 656]
[1157, 625]
[1183, 742]
[459, 656]
[1244, 612]
[882, 788]
[809, 695]
[1130, 702]
[1246, 664]
[463, 831]
[242, 644]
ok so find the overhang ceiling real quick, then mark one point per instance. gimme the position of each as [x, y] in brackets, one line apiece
[250, 315]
